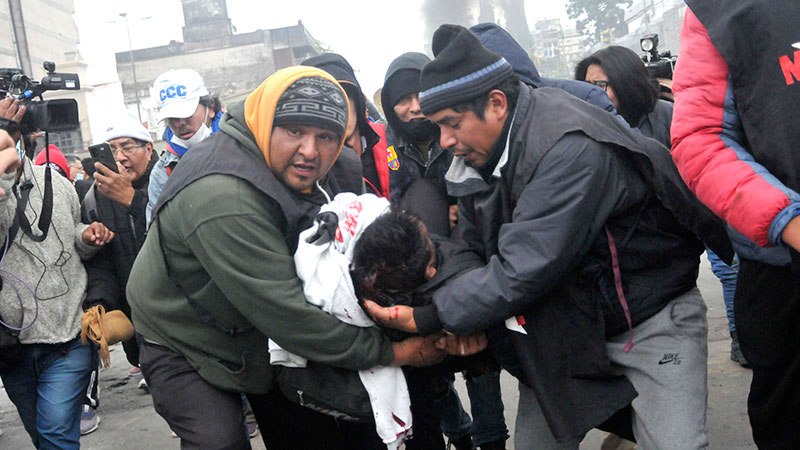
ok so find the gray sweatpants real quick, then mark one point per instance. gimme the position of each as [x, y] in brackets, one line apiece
[667, 366]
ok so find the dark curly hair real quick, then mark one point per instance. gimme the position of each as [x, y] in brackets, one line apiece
[212, 102]
[390, 259]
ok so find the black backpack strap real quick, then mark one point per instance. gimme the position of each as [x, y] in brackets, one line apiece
[203, 313]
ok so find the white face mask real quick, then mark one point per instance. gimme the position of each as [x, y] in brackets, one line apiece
[203, 132]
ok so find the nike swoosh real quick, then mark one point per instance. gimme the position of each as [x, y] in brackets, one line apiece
[796, 45]
[662, 362]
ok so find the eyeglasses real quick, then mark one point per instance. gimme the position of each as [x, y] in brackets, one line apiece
[602, 84]
[126, 150]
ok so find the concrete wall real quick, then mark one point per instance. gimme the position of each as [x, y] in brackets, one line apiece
[226, 71]
[50, 30]
[51, 34]
[232, 66]
[8, 54]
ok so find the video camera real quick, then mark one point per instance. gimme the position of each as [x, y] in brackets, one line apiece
[45, 115]
[659, 65]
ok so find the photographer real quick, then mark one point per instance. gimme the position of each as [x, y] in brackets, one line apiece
[44, 284]
[620, 72]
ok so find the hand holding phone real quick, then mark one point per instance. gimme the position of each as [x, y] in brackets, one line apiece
[102, 153]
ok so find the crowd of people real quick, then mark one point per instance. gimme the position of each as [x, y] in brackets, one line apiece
[312, 267]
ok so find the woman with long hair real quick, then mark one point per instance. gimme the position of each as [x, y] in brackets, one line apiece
[623, 76]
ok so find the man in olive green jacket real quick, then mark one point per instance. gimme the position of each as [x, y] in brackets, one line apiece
[216, 278]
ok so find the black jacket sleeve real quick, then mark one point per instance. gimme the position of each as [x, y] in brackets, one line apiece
[138, 214]
[102, 287]
[559, 215]
[104, 269]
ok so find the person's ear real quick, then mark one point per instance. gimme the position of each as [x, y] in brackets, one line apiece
[430, 272]
[210, 117]
[497, 104]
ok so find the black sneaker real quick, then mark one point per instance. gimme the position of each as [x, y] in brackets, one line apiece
[736, 351]
[494, 445]
[462, 443]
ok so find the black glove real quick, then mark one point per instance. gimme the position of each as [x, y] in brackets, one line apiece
[328, 223]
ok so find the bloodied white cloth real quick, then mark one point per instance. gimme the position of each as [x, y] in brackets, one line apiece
[325, 272]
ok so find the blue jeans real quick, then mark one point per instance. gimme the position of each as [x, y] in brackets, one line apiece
[488, 421]
[727, 276]
[456, 423]
[48, 387]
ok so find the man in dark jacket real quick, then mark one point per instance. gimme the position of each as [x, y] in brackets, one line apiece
[588, 236]
[414, 150]
[119, 200]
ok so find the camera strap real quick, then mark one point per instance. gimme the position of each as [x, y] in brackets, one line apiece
[9, 125]
[22, 192]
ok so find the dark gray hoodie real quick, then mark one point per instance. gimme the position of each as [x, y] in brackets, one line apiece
[412, 164]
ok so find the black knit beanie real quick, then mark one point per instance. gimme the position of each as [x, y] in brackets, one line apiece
[461, 70]
[314, 101]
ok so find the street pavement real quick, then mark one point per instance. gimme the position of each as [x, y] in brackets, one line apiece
[128, 421]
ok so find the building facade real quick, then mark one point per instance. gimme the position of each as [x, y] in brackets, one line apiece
[35, 31]
[232, 65]
[557, 49]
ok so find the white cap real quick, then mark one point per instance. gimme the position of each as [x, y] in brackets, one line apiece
[127, 126]
[178, 92]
